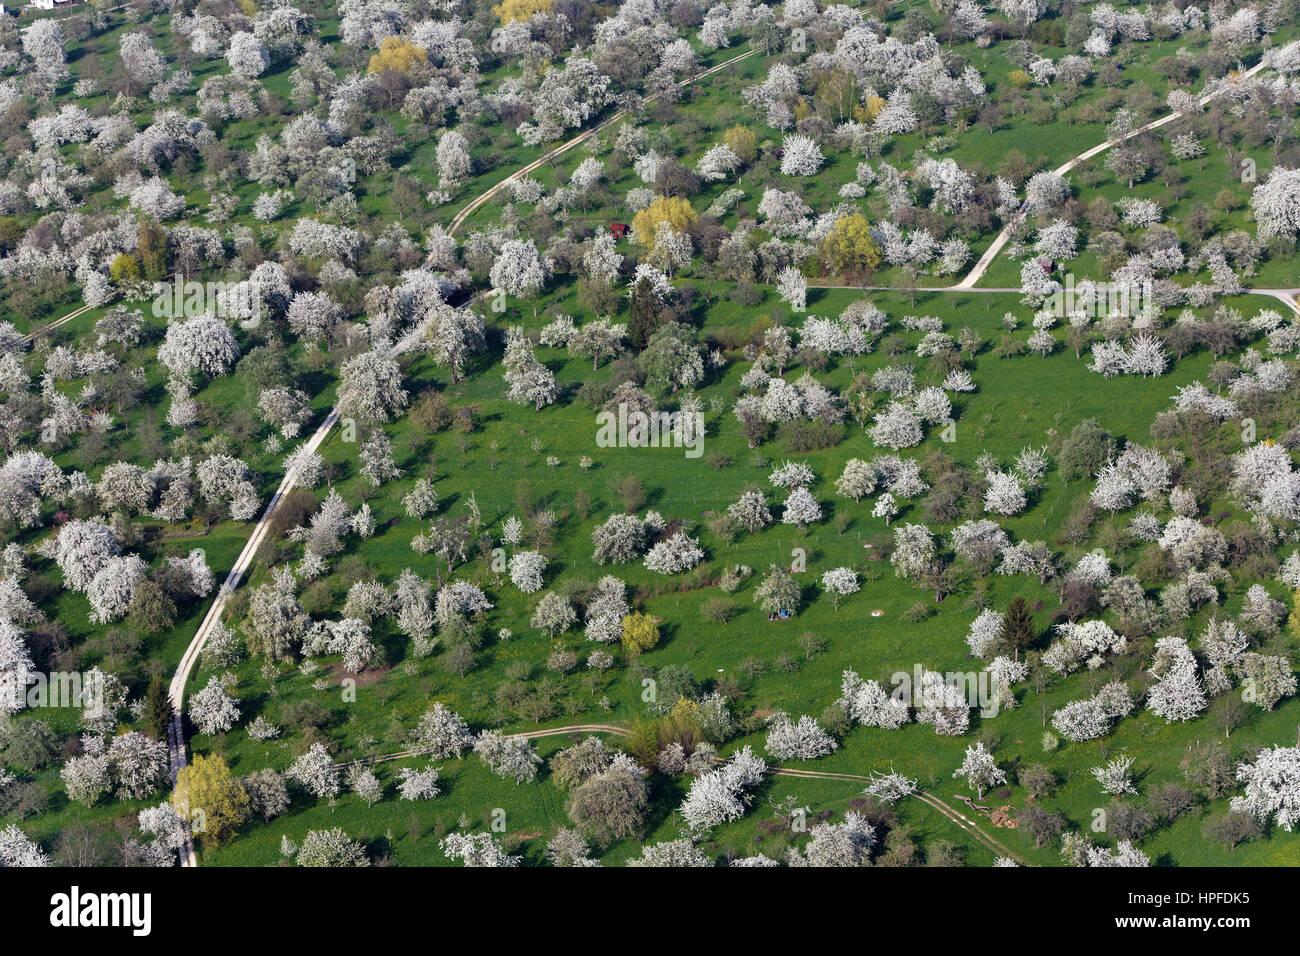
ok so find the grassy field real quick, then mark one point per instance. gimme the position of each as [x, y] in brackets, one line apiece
[1020, 402]
[512, 461]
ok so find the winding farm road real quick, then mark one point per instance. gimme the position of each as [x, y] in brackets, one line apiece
[176, 690]
[995, 247]
[176, 743]
[1288, 297]
[929, 799]
[480, 200]
[34, 334]
[956, 816]
[176, 732]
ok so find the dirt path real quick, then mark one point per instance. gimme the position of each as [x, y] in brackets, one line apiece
[1288, 297]
[956, 816]
[176, 690]
[959, 818]
[992, 251]
[478, 201]
[62, 320]
[176, 732]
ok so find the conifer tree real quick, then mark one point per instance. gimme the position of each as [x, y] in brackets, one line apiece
[1018, 625]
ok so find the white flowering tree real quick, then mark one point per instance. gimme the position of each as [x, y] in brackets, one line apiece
[839, 583]
[801, 739]
[897, 426]
[869, 704]
[477, 850]
[87, 777]
[525, 569]
[722, 795]
[138, 764]
[370, 388]
[527, 379]
[317, 773]
[212, 709]
[19, 850]
[914, 550]
[1116, 776]
[519, 271]
[331, 848]
[1272, 787]
[679, 553]
[1004, 494]
[246, 56]
[845, 844]
[1178, 693]
[113, 587]
[204, 344]
[442, 734]
[1276, 203]
[15, 666]
[226, 480]
[801, 509]
[508, 756]
[454, 162]
[553, 614]
[800, 156]
[980, 770]
[416, 783]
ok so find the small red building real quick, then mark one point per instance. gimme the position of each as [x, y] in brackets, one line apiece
[618, 229]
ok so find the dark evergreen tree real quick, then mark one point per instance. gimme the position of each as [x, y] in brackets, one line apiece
[157, 709]
[1018, 625]
[643, 313]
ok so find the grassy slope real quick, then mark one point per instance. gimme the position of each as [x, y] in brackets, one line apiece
[1019, 403]
[1016, 405]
